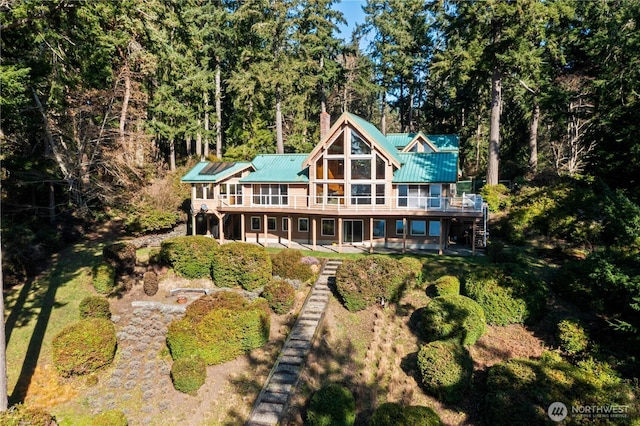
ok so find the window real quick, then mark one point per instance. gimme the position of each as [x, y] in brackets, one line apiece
[361, 169]
[380, 167]
[379, 230]
[303, 224]
[413, 195]
[319, 193]
[418, 227]
[434, 228]
[360, 194]
[399, 227]
[335, 169]
[285, 223]
[380, 193]
[337, 147]
[328, 227]
[320, 168]
[255, 223]
[231, 193]
[270, 194]
[271, 224]
[358, 146]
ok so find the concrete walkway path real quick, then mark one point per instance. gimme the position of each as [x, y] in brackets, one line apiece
[273, 401]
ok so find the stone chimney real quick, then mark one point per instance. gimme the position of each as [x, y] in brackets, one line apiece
[325, 124]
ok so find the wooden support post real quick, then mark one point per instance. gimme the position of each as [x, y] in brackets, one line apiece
[473, 239]
[193, 210]
[339, 235]
[221, 226]
[289, 224]
[243, 228]
[440, 239]
[314, 233]
[266, 231]
[371, 234]
[404, 235]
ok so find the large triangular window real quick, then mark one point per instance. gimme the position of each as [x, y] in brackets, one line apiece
[337, 147]
[359, 146]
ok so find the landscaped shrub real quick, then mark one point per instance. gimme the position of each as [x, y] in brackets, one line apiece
[505, 299]
[288, 264]
[445, 369]
[280, 295]
[331, 405]
[189, 374]
[241, 265]
[150, 283]
[572, 336]
[94, 307]
[219, 328]
[104, 278]
[84, 347]
[519, 391]
[412, 268]
[453, 317]
[496, 197]
[189, 256]
[110, 418]
[369, 280]
[394, 414]
[147, 219]
[122, 256]
[19, 415]
[447, 284]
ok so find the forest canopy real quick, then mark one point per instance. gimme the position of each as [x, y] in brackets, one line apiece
[99, 98]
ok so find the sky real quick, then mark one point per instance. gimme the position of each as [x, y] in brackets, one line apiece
[353, 14]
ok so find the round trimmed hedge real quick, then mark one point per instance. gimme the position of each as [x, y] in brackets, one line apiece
[110, 418]
[280, 295]
[189, 374]
[412, 268]
[445, 369]
[84, 347]
[287, 264]
[453, 317]
[94, 307]
[447, 284]
[394, 414]
[369, 280]
[219, 328]
[505, 299]
[189, 256]
[331, 405]
[572, 336]
[104, 278]
[241, 265]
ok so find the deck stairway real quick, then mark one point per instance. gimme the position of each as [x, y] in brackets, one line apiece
[273, 401]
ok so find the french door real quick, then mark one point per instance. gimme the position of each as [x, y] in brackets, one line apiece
[352, 231]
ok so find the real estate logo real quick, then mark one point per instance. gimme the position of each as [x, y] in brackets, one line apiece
[557, 411]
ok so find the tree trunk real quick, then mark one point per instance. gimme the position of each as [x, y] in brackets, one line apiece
[383, 115]
[123, 112]
[52, 205]
[172, 154]
[199, 141]
[206, 123]
[494, 131]
[187, 144]
[533, 139]
[279, 138]
[4, 397]
[218, 112]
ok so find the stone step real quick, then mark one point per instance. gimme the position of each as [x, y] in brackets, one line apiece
[275, 397]
[292, 360]
[288, 369]
[284, 378]
[279, 387]
[267, 413]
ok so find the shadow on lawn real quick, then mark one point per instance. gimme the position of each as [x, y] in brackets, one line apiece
[66, 266]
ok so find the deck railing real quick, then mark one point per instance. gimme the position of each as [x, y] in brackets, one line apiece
[466, 202]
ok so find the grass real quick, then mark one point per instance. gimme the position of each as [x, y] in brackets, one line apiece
[36, 312]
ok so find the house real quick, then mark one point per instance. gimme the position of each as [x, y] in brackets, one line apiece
[356, 187]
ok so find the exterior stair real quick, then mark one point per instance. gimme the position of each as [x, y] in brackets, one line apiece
[273, 401]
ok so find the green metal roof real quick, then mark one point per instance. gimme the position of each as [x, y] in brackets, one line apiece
[203, 171]
[400, 140]
[427, 167]
[278, 168]
[377, 136]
